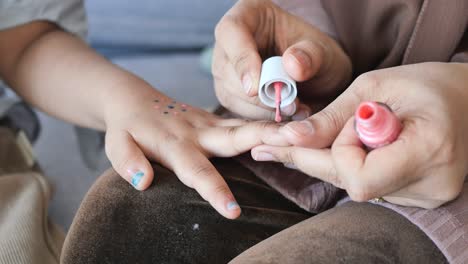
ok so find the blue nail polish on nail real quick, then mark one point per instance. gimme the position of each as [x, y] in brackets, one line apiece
[136, 178]
[232, 206]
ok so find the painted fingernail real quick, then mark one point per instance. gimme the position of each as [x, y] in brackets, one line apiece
[289, 110]
[247, 83]
[301, 115]
[233, 205]
[302, 128]
[302, 58]
[136, 178]
[264, 156]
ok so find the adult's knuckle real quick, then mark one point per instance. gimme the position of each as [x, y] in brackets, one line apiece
[333, 118]
[240, 60]
[440, 149]
[368, 80]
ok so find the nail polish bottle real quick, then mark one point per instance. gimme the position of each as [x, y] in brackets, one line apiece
[376, 124]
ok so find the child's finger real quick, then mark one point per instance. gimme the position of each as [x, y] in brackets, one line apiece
[231, 122]
[128, 159]
[250, 108]
[231, 141]
[196, 171]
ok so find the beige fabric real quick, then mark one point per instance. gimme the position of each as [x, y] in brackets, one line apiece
[26, 235]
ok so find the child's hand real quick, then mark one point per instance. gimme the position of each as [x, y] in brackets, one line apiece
[255, 29]
[84, 88]
[181, 138]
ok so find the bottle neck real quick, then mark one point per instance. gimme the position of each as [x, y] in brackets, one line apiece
[372, 118]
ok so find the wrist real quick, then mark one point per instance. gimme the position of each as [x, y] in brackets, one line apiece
[126, 98]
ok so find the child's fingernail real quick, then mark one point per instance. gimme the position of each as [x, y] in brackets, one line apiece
[136, 178]
[233, 205]
[301, 115]
[264, 156]
[247, 83]
[302, 128]
[289, 110]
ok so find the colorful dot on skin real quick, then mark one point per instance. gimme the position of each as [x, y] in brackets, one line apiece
[165, 112]
[156, 101]
[156, 107]
[136, 178]
[170, 106]
[184, 110]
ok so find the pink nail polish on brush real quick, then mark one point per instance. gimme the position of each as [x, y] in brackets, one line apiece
[376, 124]
[278, 86]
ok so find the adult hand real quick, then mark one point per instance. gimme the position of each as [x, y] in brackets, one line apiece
[425, 167]
[257, 29]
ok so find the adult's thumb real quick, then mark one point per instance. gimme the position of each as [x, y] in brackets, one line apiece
[304, 59]
[322, 128]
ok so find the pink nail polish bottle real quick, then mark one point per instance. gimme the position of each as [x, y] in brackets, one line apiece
[376, 124]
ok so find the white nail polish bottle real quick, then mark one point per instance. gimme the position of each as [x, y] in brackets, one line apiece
[272, 72]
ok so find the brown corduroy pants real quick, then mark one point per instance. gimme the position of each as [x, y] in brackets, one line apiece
[170, 223]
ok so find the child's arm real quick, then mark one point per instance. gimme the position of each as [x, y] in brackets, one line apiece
[59, 74]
